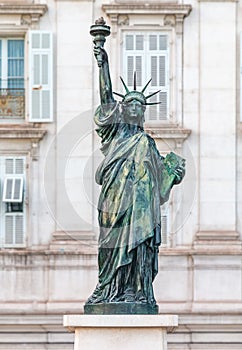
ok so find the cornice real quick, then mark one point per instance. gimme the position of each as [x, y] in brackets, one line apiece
[147, 9]
[24, 132]
[29, 16]
[172, 14]
[27, 133]
[22, 9]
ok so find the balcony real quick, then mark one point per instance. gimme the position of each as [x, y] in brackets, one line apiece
[12, 103]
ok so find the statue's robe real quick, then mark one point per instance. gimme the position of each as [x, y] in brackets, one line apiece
[135, 182]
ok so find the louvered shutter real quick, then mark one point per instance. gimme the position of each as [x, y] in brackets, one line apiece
[13, 190]
[134, 59]
[165, 223]
[41, 76]
[158, 65]
[13, 222]
[148, 55]
[14, 230]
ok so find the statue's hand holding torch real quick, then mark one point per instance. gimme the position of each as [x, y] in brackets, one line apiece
[100, 31]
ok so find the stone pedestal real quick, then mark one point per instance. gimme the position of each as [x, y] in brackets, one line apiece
[119, 332]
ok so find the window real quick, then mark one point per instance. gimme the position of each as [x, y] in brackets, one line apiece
[148, 54]
[12, 78]
[39, 74]
[12, 204]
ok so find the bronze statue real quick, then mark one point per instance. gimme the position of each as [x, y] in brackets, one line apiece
[135, 180]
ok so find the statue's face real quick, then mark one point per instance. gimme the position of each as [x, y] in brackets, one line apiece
[134, 112]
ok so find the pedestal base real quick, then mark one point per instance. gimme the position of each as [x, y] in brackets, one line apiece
[129, 332]
[121, 309]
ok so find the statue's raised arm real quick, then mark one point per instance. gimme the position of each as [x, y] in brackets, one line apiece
[99, 31]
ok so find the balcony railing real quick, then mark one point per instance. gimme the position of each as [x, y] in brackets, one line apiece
[12, 102]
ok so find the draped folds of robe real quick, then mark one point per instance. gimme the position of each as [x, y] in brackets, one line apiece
[134, 183]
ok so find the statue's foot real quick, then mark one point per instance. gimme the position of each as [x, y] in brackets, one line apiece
[129, 296]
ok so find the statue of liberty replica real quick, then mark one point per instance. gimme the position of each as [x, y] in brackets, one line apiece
[135, 181]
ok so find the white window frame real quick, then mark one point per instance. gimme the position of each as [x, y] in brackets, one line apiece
[15, 215]
[147, 68]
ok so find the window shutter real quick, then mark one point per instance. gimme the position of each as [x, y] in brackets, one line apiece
[165, 218]
[41, 76]
[14, 230]
[14, 166]
[134, 59]
[148, 55]
[158, 66]
[13, 190]
[13, 223]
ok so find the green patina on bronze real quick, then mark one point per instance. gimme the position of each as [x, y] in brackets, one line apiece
[135, 180]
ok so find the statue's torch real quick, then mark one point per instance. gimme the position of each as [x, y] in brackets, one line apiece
[99, 31]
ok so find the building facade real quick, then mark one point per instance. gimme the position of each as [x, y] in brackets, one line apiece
[49, 152]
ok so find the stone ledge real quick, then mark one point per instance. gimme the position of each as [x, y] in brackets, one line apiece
[211, 240]
[83, 241]
[171, 15]
[147, 8]
[217, 235]
[21, 131]
[117, 321]
[23, 9]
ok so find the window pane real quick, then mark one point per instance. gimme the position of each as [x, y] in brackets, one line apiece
[15, 48]
[15, 64]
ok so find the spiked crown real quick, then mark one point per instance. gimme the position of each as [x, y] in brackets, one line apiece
[137, 95]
